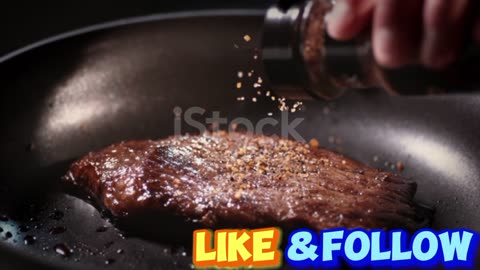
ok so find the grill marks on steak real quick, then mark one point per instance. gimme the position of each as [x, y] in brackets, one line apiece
[220, 180]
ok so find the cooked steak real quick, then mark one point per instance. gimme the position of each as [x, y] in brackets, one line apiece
[224, 180]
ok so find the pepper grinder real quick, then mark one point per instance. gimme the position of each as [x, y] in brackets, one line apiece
[302, 61]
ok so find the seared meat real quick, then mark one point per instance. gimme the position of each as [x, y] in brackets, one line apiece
[224, 180]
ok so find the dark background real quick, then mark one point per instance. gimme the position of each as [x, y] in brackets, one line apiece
[24, 22]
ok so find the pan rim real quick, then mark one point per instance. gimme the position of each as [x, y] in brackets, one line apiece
[254, 12]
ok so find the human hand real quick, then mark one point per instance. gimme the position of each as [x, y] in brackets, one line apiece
[427, 32]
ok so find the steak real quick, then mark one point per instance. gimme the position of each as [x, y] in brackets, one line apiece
[238, 180]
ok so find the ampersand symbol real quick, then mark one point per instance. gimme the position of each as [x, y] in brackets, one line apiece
[300, 248]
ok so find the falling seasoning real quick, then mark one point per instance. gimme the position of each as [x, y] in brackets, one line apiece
[314, 143]
[257, 83]
[297, 104]
[109, 261]
[282, 104]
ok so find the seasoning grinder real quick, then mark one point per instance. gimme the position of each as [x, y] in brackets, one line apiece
[302, 61]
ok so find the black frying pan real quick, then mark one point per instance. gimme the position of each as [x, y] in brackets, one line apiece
[85, 92]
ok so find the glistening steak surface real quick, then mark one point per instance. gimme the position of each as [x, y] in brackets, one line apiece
[219, 179]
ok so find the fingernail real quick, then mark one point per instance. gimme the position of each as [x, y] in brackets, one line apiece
[339, 11]
[339, 20]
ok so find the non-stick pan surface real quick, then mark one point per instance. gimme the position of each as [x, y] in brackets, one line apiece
[77, 95]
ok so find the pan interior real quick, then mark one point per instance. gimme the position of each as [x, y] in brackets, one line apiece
[81, 94]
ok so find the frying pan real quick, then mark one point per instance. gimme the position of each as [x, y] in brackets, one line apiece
[96, 87]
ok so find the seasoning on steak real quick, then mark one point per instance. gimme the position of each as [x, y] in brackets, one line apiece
[223, 180]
